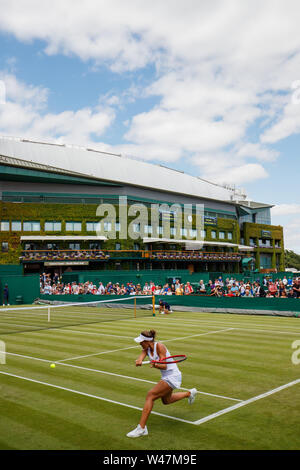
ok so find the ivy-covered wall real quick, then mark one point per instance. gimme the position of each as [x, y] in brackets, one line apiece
[255, 231]
[84, 213]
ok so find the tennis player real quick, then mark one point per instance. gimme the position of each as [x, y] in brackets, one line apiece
[164, 389]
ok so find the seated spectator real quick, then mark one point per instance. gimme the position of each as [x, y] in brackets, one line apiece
[248, 293]
[188, 289]
[234, 290]
[178, 289]
[272, 288]
[296, 288]
[281, 292]
[260, 291]
[202, 288]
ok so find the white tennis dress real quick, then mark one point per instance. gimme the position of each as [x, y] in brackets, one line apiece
[172, 374]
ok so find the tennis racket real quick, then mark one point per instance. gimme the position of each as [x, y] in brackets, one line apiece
[168, 360]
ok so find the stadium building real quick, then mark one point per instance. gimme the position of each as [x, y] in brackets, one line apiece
[50, 198]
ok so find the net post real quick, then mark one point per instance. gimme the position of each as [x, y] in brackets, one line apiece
[153, 305]
[49, 316]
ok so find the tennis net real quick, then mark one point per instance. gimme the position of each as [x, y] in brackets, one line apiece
[59, 315]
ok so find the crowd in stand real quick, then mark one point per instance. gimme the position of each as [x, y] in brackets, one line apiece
[283, 288]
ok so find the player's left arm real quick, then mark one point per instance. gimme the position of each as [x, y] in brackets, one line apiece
[161, 351]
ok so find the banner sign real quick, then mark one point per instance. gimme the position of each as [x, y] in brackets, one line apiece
[210, 220]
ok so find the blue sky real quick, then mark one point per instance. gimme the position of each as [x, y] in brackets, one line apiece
[211, 88]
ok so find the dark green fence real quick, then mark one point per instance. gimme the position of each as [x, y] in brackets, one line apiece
[214, 304]
[22, 289]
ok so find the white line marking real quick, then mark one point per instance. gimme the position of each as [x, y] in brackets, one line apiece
[117, 375]
[94, 354]
[93, 396]
[131, 347]
[244, 403]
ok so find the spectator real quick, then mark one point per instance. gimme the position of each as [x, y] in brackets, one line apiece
[260, 291]
[202, 288]
[296, 288]
[234, 290]
[188, 289]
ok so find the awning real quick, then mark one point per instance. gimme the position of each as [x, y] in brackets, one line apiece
[247, 260]
[196, 244]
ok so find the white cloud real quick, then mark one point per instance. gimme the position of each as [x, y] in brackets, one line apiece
[24, 114]
[221, 67]
[288, 216]
[286, 209]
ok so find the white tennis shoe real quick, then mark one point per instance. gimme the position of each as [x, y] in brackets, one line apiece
[192, 396]
[138, 432]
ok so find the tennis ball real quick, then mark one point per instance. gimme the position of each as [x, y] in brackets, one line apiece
[52, 366]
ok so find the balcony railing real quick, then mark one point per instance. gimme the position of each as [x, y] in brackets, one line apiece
[63, 255]
[102, 255]
[193, 255]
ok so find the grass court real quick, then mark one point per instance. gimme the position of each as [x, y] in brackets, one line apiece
[248, 387]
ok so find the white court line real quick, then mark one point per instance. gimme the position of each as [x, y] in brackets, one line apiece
[233, 322]
[245, 402]
[93, 396]
[117, 375]
[240, 326]
[130, 347]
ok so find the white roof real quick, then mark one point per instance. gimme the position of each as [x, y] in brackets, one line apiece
[113, 168]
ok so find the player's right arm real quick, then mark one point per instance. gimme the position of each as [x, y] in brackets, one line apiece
[140, 359]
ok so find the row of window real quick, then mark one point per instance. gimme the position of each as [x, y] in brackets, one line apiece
[55, 226]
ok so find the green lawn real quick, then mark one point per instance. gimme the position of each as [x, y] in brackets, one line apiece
[94, 396]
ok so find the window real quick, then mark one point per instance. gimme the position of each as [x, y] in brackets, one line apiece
[213, 234]
[148, 229]
[229, 236]
[92, 226]
[136, 246]
[31, 226]
[52, 226]
[136, 228]
[193, 233]
[160, 230]
[183, 232]
[16, 226]
[107, 226]
[4, 225]
[95, 246]
[172, 231]
[203, 233]
[74, 246]
[52, 246]
[73, 226]
[118, 226]
[118, 246]
[4, 247]
[221, 235]
[29, 246]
